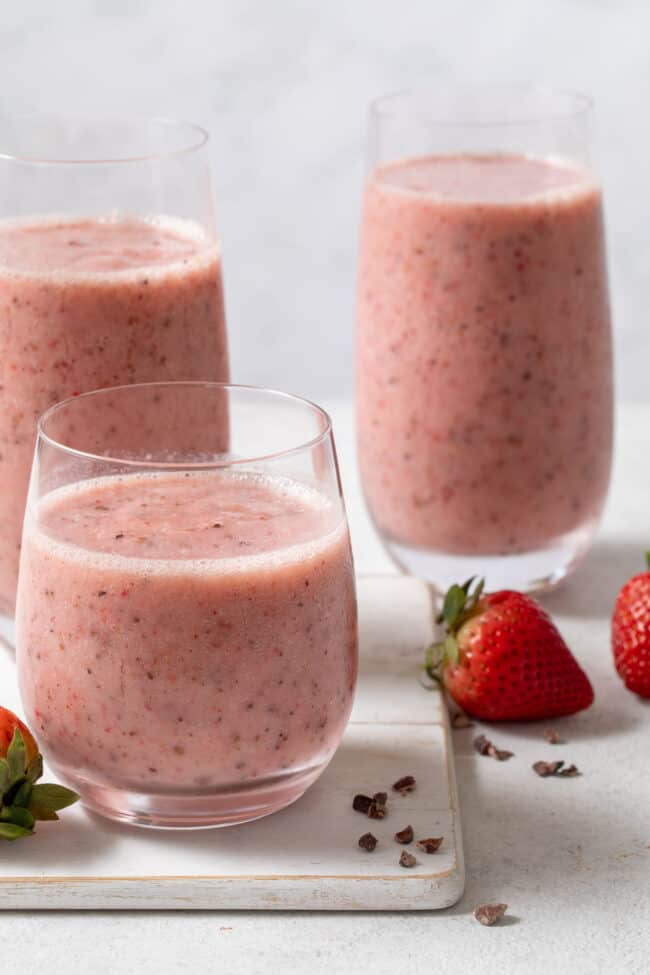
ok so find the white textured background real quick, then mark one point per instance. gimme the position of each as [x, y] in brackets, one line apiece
[283, 86]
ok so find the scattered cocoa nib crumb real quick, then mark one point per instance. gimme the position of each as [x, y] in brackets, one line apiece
[544, 769]
[377, 808]
[489, 914]
[372, 806]
[461, 720]
[368, 842]
[485, 747]
[430, 845]
[553, 736]
[407, 859]
[119, 535]
[362, 804]
[404, 835]
[406, 784]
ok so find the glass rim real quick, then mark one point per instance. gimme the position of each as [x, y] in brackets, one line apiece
[276, 394]
[394, 104]
[197, 138]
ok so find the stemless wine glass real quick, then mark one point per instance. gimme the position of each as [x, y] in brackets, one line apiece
[484, 361]
[110, 273]
[186, 616]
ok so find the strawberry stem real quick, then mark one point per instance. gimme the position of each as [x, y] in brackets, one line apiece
[459, 605]
[22, 802]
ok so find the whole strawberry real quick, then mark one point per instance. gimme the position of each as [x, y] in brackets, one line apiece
[631, 633]
[22, 800]
[503, 659]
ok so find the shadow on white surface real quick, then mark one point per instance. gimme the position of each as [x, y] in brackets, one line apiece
[603, 719]
[592, 590]
[320, 826]
[320, 830]
[564, 838]
[59, 847]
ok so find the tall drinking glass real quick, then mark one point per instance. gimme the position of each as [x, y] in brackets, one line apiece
[110, 273]
[186, 617]
[484, 360]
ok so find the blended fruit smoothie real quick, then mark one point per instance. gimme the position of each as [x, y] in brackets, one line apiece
[182, 633]
[484, 362]
[86, 304]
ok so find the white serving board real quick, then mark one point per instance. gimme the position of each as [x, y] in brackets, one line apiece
[305, 857]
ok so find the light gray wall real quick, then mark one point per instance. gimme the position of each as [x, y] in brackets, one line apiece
[283, 86]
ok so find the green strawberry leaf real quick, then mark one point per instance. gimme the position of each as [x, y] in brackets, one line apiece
[41, 814]
[4, 776]
[453, 605]
[460, 604]
[466, 586]
[16, 758]
[35, 769]
[52, 797]
[22, 796]
[432, 658]
[10, 831]
[451, 649]
[18, 816]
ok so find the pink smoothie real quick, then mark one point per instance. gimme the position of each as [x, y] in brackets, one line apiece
[186, 632]
[484, 375]
[93, 303]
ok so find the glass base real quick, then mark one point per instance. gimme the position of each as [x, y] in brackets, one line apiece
[229, 806]
[533, 571]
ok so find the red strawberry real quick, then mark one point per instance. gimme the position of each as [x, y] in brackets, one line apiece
[8, 724]
[503, 658]
[631, 633]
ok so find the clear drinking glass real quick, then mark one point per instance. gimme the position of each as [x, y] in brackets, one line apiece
[110, 273]
[186, 615]
[484, 360]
